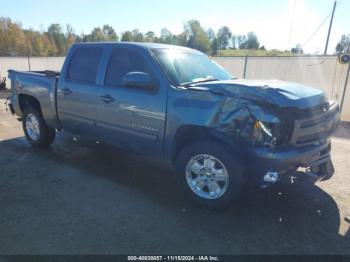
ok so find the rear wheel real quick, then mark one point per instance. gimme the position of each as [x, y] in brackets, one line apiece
[35, 129]
[210, 174]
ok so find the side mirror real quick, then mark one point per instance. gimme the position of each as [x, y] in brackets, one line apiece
[138, 80]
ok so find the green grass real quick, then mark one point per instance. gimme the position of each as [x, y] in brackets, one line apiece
[245, 52]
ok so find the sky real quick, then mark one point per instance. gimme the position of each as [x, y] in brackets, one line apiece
[280, 24]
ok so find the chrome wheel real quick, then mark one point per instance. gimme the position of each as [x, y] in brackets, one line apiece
[207, 176]
[32, 127]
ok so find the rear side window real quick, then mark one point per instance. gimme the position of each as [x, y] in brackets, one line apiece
[124, 61]
[84, 64]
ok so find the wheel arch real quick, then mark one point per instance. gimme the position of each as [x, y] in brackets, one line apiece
[25, 100]
[188, 134]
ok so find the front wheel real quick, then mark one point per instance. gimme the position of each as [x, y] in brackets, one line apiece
[38, 134]
[210, 174]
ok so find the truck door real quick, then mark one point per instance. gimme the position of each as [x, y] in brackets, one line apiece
[77, 90]
[131, 118]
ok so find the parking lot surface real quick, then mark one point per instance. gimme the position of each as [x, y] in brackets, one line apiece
[81, 198]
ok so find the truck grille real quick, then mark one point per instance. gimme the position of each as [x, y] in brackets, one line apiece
[317, 128]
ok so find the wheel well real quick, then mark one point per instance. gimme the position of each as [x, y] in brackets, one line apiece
[188, 134]
[27, 100]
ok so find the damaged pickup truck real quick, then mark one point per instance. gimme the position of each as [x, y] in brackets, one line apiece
[178, 106]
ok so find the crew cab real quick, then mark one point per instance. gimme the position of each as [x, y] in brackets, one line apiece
[178, 106]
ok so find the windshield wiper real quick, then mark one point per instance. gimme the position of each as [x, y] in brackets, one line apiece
[200, 81]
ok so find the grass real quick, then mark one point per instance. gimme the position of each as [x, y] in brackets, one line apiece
[246, 52]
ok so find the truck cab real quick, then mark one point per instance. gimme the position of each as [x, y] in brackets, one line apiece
[94, 99]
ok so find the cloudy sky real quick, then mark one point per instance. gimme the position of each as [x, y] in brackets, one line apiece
[279, 24]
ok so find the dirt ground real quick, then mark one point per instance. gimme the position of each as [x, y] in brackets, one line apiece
[77, 198]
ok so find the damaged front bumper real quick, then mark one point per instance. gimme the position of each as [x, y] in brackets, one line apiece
[270, 165]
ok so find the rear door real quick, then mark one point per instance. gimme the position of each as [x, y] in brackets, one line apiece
[131, 118]
[77, 90]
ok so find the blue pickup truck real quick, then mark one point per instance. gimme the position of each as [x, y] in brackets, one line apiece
[178, 106]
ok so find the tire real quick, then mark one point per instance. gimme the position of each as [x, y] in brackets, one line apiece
[198, 156]
[37, 133]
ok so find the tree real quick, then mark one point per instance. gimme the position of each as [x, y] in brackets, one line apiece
[35, 45]
[51, 48]
[55, 41]
[196, 36]
[240, 40]
[12, 39]
[234, 41]
[39, 45]
[252, 41]
[29, 37]
[211, 34]
[96, 35]
[213, 41]
[224, 35]
[166, 37]
[249, 41]
[343, 45]
[127, 36]
[71, 38]
[56, 35]
[109, 33]
[214, 47]
[181, 39]
[137, 36]
[150, 36]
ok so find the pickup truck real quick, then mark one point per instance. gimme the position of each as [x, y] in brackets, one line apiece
[176, 105]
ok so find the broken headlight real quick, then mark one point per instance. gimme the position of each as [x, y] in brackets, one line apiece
[265, 134]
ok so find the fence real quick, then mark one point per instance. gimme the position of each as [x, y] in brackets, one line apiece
[323, 72]
[27, 64]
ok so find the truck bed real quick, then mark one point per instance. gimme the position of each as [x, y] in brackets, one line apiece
[40, 85]
[47, 73]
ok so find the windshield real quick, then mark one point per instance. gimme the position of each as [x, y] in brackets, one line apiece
[187, 67]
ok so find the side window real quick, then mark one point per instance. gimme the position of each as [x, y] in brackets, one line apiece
[84, 64]
[124, 61]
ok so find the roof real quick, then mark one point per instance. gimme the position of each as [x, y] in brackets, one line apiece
[138, 44]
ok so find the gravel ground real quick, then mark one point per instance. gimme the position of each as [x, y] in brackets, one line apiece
[79, 198]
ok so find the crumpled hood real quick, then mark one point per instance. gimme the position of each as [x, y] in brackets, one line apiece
[283, 94]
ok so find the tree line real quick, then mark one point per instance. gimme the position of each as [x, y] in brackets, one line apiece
[56, 39]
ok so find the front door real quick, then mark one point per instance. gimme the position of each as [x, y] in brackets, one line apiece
[131, 118]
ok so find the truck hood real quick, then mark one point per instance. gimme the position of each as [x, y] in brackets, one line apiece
[282, 94]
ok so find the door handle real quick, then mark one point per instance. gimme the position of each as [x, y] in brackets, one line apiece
[66, 91]
[107, 99]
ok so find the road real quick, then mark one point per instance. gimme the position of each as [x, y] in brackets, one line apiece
[85, 198]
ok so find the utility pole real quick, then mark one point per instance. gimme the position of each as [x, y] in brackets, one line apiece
[330, 28]
[245, 67]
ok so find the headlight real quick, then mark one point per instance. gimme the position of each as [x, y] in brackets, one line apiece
[265, 134]
[261, 125]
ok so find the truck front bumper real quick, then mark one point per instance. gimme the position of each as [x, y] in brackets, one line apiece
[315, 159]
